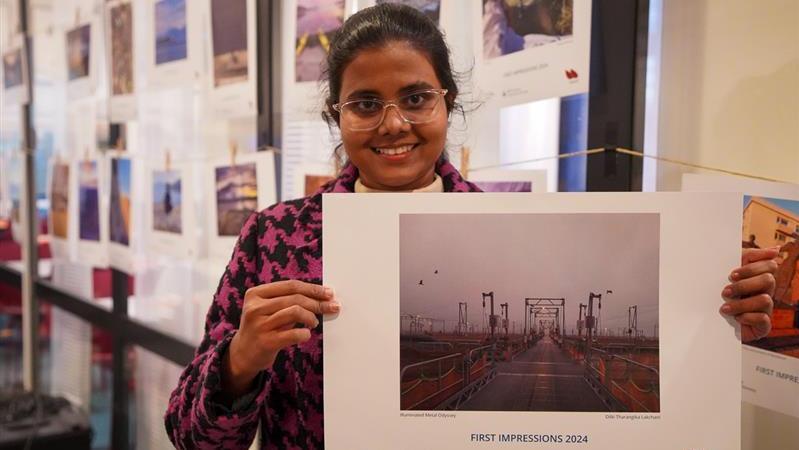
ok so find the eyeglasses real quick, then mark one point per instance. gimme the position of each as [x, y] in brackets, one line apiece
[367, 114]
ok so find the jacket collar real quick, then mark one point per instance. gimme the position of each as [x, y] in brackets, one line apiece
[452, 179]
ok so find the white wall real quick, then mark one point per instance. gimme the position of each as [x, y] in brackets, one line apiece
[729, 79]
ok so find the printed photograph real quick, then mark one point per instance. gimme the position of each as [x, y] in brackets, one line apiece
[773, 222]
[88, 201]
[505, 186]
[170, 31]
[522, 312]
[12, 69]
[122, 49]
[511, 26]
[229, 27]
[167, 201]
[59, 200]
[78, 52]
[236, 197]
[317, 22]
[314, 182]
[119, 214]
[430, 8]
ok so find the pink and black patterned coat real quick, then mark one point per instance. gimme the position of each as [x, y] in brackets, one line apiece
[280, 243]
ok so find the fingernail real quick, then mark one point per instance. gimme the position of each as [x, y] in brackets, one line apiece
[735, 276]
[727, 292]
[329, 292]
[726, 309]
[334, 307]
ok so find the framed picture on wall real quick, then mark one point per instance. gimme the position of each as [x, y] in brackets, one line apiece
[121, 61]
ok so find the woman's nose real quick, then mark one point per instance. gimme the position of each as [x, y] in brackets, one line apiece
[393, 122]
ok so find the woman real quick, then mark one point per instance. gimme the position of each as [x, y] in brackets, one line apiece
[391, 91]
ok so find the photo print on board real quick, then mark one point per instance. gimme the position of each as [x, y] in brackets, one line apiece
[317, 22]
[229, 32]
[119, 214]
[236, 197]
[88, 201]
[170, 31]
[430, 8]
[59, 200]
[122, 49]
[773, 222]
[501, 322]
[13, 75]
[511, 26]
[167, 201]
[78, 52]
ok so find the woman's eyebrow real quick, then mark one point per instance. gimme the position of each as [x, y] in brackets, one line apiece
[363, 93]
[418, 86]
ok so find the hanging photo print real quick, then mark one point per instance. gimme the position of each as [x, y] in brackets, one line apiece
[240, 188]
[15, 73]
[92, 231]
[509, 180]
[770, 219]
[171, 221]
[229, 30]
[78, 52]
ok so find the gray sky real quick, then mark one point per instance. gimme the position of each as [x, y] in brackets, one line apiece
[530, 255]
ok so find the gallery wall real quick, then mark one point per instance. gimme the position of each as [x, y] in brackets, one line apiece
[729, 88]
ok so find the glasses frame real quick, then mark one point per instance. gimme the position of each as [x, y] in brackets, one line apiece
[339, 107]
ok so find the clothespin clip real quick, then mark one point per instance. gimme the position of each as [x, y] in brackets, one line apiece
[86, 154]
[120, 144]
[77, 16]
[234, 148]
[167, 161]
[465, 154]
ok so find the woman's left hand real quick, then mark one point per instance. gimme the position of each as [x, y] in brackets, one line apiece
[748, 296]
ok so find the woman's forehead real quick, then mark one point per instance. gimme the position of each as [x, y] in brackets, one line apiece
[388, 70]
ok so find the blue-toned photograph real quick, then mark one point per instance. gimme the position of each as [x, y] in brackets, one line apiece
[167, 201]
[88, 201]
[120, 201]
[170, 31]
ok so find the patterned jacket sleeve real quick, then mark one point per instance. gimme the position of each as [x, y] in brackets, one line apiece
[196, 418]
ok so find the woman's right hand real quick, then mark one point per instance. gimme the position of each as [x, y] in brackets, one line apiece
[268, 324]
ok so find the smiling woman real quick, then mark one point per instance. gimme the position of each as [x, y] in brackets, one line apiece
[391, 91]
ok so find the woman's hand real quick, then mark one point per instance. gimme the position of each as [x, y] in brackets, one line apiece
[269, 319]
[748, 296]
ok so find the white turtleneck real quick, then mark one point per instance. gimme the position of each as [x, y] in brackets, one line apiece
[436, 186]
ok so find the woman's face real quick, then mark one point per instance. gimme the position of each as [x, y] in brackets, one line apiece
[388, 72]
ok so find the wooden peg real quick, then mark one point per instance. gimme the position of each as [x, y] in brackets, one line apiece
[234, 148]
[167, 161]
[86, 154]
[465, 154]
[77, 16]
[120, 144]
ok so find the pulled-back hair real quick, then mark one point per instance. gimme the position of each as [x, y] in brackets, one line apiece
[377, 26]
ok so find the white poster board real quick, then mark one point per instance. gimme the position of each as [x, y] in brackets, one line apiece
[15, 74]
[769, 379]
[170, 210]
[232, 62]
[174, 37]
[92, 204]
[530, 51]
[362, 376]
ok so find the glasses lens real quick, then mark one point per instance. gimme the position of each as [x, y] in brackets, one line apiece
[419, 107]
[362, 114]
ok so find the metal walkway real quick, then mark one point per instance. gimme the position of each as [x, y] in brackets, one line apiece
[543, 378]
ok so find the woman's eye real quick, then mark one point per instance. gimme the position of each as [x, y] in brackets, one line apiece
[416, 100]
[367, 106]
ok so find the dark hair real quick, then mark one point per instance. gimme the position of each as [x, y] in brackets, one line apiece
[377, 26]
